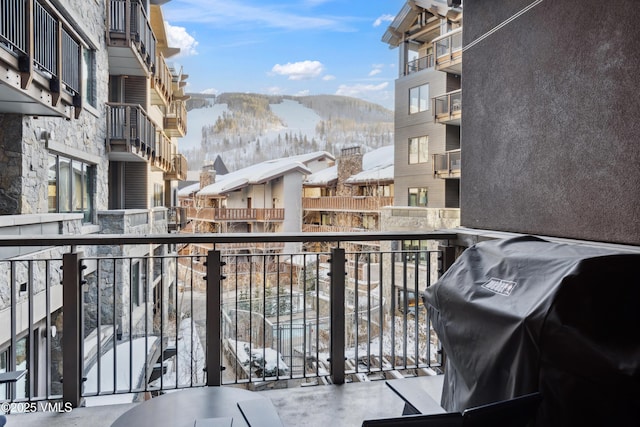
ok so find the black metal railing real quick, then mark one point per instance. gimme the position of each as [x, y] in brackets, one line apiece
[140, 314]
[13, 24]
[131, 124]
[129, 19]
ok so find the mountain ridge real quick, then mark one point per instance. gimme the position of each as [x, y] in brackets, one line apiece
[247, 128]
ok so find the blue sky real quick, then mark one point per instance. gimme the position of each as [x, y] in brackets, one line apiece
[286, 47]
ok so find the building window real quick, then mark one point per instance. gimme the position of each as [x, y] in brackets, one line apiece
[70, 186]
[89, 77]
[413, 249]
[418, 150]
[418, 197]
[419, 99]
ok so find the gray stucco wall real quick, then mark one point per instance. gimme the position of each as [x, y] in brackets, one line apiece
[551, 129]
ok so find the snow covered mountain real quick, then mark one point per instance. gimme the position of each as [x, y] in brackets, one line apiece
[246, 129]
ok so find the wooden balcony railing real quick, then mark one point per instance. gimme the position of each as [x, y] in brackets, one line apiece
[129, 25]
[355, 203]
[175, 121]
[448, 107]
[236, 214]
[178, 168]
[447, 164]
[41, 48]
[315, 228]
[129, 129]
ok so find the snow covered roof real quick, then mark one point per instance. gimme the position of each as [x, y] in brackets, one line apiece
[261, 173]
[189, 190]
[377, 165]
[323, 177]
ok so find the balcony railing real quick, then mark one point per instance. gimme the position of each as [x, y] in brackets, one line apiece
[175, 121]
[161, 162]
[316, 228]
[419, 64]
[178, 168]
[447, 164]
[127, 304]
[235, 214]
[449, 52]
[448, 108]
[129, 26]
[129, 130]
[52, 61]
[161, 82]
[351, 203]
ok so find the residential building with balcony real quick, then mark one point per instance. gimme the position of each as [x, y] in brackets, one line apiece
[262, 198]
[349, 196]
[428, 37]
[71, 133]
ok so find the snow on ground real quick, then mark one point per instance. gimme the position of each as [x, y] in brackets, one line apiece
[198, 118]
[266, 358]
[136, 353]
[190, 364]
[296, 118]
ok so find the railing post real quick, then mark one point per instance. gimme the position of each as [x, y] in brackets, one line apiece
[447, 257]
[338, 273]
[214, 303]
[72, 348]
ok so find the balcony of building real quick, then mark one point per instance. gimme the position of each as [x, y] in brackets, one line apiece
[447, 165]
[448, 57]
[419, 64]
[448, 108]
[175, 120]
[131, 135]
[162, 161]
[161, 82]
[319, 228]
[317, 334]
[116, 311]
[346, 204]
[235, 214]
[178, 170]
[40, 61]
[130, 40]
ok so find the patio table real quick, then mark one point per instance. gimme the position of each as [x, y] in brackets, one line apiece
[182, 408]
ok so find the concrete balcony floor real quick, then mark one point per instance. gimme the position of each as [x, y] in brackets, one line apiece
[322, 405]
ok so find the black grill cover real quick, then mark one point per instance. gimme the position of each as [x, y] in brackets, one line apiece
[522, 315]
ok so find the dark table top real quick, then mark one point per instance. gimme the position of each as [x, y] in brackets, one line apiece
[182, 408]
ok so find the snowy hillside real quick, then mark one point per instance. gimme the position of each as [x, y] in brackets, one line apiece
[246, 129]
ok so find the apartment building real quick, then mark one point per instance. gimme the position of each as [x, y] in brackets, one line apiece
[262, 198]
[89, 127]
[349, 196]
[428, 37]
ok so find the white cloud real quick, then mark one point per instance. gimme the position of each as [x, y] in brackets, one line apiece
[303, 70]
[383, 18]
[211, 91]
[274, 90]
[303, 92]
[374, 72]
[178, 37]
[328, 77]
[359, 90]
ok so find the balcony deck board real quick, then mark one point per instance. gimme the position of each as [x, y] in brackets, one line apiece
[334, 405]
